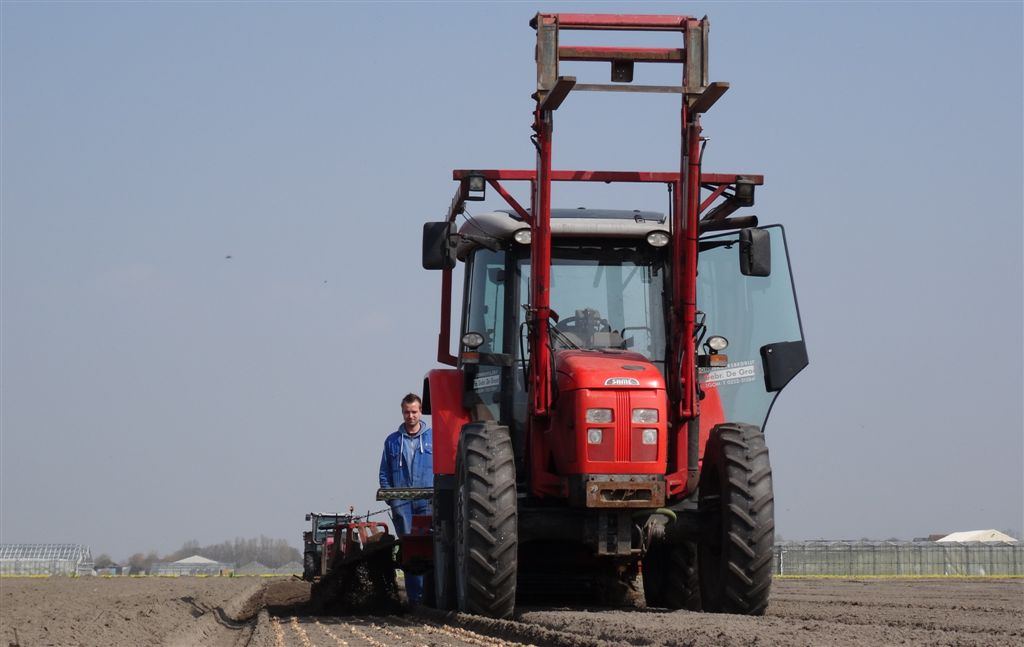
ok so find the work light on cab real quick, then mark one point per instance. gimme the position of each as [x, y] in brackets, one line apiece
[717, 343]
[658, 238]
[523, 237]
[476, 186]
[714, 347]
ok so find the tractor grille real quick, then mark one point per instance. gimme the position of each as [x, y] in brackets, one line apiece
[622, 423]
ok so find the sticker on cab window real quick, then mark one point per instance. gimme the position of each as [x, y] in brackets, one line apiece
[734, 373]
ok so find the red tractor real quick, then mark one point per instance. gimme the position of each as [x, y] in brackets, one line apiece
[603, 413]
[318, 542]
[350, 563]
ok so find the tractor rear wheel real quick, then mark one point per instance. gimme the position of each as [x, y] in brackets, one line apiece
[486, 532]
[736, 495]
[309, 566]
[670, 577]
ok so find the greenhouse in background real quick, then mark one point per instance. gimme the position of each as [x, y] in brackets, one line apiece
[899, 558]
[45, 559]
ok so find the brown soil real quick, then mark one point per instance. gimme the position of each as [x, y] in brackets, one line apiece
[97, 611]
[823, 612]
[208, 612]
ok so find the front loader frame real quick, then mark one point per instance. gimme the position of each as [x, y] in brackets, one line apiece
[697, 96]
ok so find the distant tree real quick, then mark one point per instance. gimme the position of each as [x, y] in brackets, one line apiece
[273, 553]
[103, 561]
[269, 552]
[188, 549]
[139, 563]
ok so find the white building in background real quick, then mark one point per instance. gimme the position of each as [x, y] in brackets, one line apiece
[45, 559]
[977, 535]
[194, 565]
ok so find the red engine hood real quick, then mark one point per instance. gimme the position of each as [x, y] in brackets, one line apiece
[582, 369]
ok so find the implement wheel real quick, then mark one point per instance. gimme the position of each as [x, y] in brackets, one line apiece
[670, 577]
[486, 539]
[439, 584]
[736, 494]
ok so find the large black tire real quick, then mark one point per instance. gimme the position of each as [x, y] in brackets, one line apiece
[439, 585]
[736, 495]
[486, 532]
[670, 577]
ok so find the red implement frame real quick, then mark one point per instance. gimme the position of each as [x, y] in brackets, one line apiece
[354, 538]
[697, 96]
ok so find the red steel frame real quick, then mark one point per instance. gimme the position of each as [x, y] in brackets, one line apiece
[697, 96]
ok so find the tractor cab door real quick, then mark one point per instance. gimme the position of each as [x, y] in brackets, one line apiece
[494, 385]
[759, 317]
[488, 375]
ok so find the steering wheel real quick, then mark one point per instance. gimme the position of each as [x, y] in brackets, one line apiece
[584, 324]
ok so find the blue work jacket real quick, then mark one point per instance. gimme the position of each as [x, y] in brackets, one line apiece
[408, 461]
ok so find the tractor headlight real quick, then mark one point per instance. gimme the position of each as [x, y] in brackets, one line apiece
[658, 238]
[649, 436]
[472, 340]
[523, 236]
[594, 436]
[599, 415]
[645, 415]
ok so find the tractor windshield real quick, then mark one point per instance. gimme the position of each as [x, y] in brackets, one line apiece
[325, 525]
[606, 295]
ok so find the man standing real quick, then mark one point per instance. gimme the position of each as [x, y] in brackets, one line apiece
[408, 461]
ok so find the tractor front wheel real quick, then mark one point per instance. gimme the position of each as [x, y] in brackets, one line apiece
[670, 576]
[486, 521]
[735, 559]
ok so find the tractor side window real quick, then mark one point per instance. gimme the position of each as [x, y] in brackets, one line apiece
[486, 306]
[751, 312]
[485, 314]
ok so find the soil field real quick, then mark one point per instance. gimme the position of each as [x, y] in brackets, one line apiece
[254, 612]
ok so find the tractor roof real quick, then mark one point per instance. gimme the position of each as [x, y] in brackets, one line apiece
[579, 223]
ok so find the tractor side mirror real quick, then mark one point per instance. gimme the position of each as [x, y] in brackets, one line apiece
[755, 252]
[438, 248]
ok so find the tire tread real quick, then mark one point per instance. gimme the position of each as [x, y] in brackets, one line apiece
[486, 468]
[736, 485]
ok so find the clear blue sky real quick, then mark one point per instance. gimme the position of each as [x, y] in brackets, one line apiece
[155, 391]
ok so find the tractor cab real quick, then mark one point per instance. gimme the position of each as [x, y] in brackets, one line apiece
[607, 289]
[609, 282]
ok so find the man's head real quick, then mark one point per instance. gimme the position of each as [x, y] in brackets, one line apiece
[411, 412]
